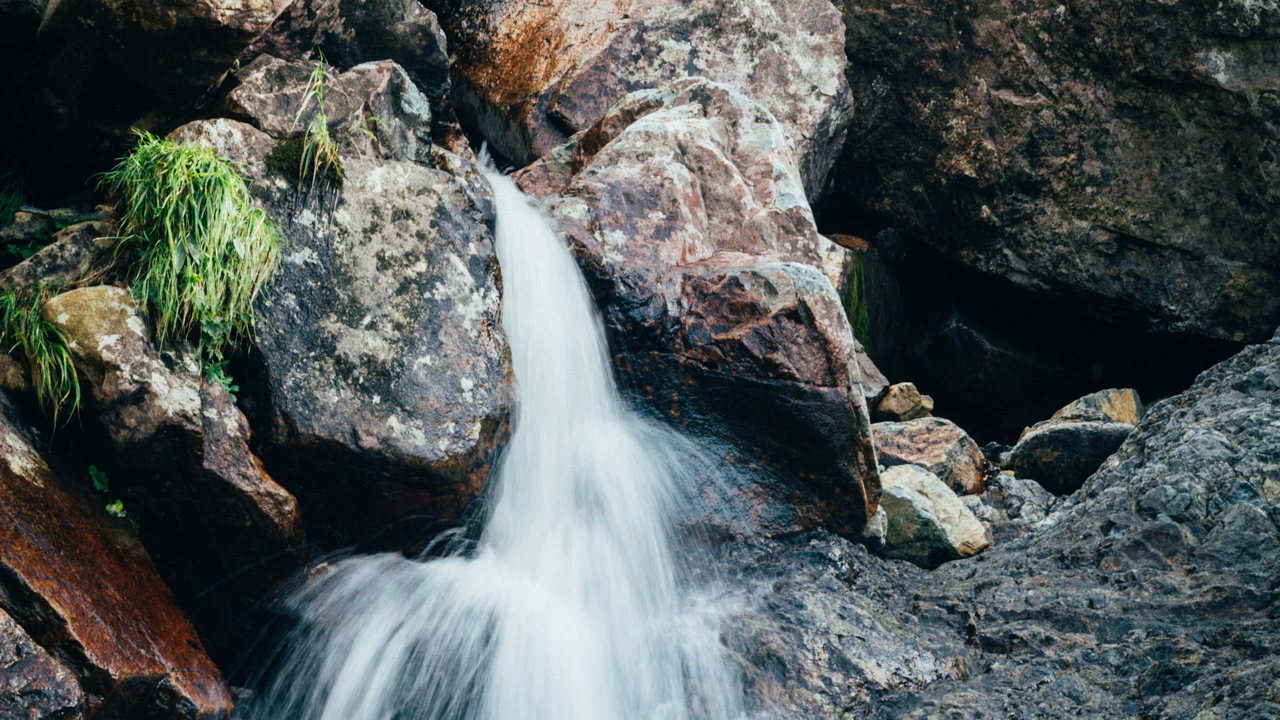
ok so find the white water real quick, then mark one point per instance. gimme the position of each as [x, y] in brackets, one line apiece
[569, 607]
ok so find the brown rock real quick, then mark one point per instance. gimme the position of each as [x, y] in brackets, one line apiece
[83, 588]
[177, 452]
[687, 213]
[937, 445]
[1122, 406]
[533, 74]
[1117, 158]
[33, 685]
[903, 402]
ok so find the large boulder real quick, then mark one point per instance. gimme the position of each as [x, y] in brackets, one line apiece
[928, 525]
[176, 450]
[903, 402]
[533, 74]
[1063, 451]
[687, 214]
[82, 588]
[353, 32]
[1116, 158]
[383, 380]
[937, 445]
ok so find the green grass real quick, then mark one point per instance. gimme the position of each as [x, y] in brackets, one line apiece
[318, 155]
[42, 346]
[204, 252]
[13, 195]
[856, 302]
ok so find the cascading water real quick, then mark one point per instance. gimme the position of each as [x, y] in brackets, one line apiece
[570, 605]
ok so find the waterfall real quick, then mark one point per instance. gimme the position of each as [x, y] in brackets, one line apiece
[570, 606]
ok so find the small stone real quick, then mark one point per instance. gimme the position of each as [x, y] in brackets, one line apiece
[1122, 406]
[903, 402]
[928, 524]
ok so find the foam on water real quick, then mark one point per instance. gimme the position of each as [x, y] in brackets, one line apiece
[569, 607]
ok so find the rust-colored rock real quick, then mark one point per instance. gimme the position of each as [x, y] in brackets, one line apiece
[221, 530]
[690, 220]
[937, 445]
[81, 586]
[533, 74]
[34, 686]
[903, 402]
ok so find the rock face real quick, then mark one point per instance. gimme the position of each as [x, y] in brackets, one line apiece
[67, 259]
[903, 402]
[1119, 159]
[1011, 507]
[1151, 591]
[84, 590]
[177, 452]
[937, 445]
[685, 210]
[377, 97]
[384, 374]
[534, 74]
[32, 684]
[353, 32]
[928, 525]
[1063, 451]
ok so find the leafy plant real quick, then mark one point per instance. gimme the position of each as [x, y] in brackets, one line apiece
[116, 508]
[216, 374]
[319, 151]
[42, 345]
[99, 478]
[204, 252]
[856, 303]
[42, 237]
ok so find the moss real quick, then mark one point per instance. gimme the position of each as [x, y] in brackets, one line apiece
[856, 301]
[286, 158]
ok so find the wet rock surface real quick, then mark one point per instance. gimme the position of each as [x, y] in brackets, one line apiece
[382, 379]
[937, 445]
[533, 74]
[688, 217]
[1061, 456]
[1121, 160]
[1150, 592]
[176, 449]
[81, 586]
[33, 685]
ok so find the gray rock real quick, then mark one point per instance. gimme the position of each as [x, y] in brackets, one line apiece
[533, 74]
[68, 258]
[927, 523]
[1120, 159]
[937, 445]
[1011, 507]
[33, 685]
[688, 216]
[1062, 455]
[382, 374]
[176, 449]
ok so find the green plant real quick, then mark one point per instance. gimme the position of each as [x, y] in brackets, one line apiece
[216, 374]
[13, 195]
[319, 152]
[856, 302]
[99, 478]
[204, 252]
[42, 237]
[116, 508]
[42, 345]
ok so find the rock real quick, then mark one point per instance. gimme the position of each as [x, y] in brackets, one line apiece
[104, 67]
[1119, 160]
[377, 96]
[382, 375]
[354, 32]
[688, 217]
[1061, 456]
[533, 74]
[84, 590]
[1122, 406]
[927, 523]
[32, 684]
[872, 536]
[15, 376]
[840, 265]
[996, 453]
[1011, 507]
[176, 451]
[866, 278]
[937, 445]
[903, 402]
[68, 258]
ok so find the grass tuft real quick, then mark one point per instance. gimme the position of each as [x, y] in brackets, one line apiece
[204, 252]
[318, 156]
[42, 346]
[13, 195]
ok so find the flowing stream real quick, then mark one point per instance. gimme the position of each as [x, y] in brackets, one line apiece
[570, 606]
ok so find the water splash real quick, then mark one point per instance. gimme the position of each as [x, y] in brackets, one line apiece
[570, 606]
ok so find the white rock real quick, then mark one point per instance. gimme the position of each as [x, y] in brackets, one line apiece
[928, 525]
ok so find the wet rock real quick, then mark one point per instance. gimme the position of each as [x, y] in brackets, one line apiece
[105, 67]
[1011, 507]
[866, 279]
[84, 590]
[176, 449]
[32, 684]
[927, 523]
[903, 402]
[68, 258]
[686, 212]
[382, 376]
[1121, 160]
[840, 266]
[996, 453]
[534, 74]
[937, 445]
[375, 98]
[1122, 406]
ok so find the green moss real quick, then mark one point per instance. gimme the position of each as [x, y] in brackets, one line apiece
[856, 302]
[287, 158]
